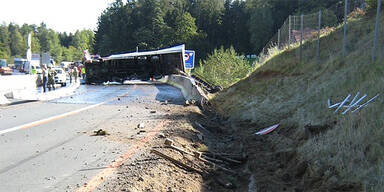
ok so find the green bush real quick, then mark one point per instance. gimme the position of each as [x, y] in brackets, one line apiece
[371, 4]
[223, 67]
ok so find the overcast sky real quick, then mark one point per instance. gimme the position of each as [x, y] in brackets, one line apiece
[59, 15]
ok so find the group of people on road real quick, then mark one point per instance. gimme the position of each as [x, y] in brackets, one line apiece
[76, 72]
[48, 78]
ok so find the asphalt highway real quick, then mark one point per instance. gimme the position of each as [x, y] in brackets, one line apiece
[48, 146]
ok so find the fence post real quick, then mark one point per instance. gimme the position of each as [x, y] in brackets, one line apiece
[301, 36]
[345, 27]
[278, 38]
[289, 32]
[376, 30]
[318, 39]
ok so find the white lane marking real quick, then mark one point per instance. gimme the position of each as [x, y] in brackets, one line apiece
[39, 122]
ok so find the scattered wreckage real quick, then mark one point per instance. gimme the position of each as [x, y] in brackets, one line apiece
[353, 104]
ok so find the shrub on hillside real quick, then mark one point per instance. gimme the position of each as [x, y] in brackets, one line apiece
[371, 4]
[223, 67]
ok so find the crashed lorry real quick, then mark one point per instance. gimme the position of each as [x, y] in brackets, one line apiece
[136, 65]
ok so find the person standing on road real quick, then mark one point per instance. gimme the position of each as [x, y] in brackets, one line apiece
[33, 70]
[51, 79]
[79, 71]
[70, 71]
[75, 74]
[45, 77]
[83, 72]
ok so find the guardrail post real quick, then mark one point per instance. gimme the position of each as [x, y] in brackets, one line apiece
[318, 39]
[278, 39]
[289, 32]
[301, 36]
[376, 30]
[345, 27]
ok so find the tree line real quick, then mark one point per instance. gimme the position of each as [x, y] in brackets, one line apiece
[61, 46]
[202, 25]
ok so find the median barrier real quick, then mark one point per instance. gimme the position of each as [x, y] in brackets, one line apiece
[24, 88]
[11, 86]
[188, 87]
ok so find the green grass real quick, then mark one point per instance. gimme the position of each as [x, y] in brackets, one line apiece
[294, 94]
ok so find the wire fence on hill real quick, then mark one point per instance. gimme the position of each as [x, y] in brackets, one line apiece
[298, 29]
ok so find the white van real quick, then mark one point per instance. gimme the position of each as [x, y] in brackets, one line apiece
[60, 77]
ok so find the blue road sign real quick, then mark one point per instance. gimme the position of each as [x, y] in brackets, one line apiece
[189, 58]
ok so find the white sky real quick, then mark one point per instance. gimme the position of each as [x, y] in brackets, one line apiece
[59, 15]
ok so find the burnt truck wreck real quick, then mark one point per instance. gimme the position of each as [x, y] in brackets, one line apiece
[136, 65]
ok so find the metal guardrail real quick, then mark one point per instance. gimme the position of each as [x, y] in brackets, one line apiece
[205, 85]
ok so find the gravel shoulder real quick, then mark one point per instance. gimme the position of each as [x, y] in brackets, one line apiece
[190, 131]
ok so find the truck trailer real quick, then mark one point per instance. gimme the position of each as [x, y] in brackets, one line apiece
[136, 65]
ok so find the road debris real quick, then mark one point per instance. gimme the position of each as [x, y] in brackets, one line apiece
[267, 130]
[141, 126]
[225, 184]
[141, 131]
[202, 127]
[100, 132]
[177, 162]
[180, 150]
[227, 159]
[238, 157]
[354, 103]
[161, 135]
[168, 142]
[200, 136]
[198, 155]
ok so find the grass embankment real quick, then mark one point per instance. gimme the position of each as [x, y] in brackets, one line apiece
[314, 148]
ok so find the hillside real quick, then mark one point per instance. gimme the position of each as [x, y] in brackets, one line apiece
[313, 149]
